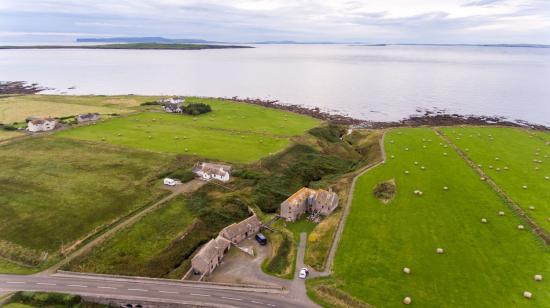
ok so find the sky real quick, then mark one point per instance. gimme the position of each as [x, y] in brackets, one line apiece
[368, 21]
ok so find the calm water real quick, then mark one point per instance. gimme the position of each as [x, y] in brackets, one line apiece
[377, 83]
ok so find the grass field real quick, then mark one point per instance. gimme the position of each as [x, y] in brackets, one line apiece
[18, 108]
[55, 190]
[132, 250]
[233, 132]
[8, 134]
[510, 156]
[483, 265]
[9, 267]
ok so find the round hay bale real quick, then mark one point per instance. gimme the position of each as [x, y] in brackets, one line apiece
[467, 150]
[497, 169]
[532, 208]
[479, 165]
[536, 168]
[149, 137]
[392, 156]
[482, 178]
[445, 188]
[483, 220]
[422, 167]
[391, 141]
[538, 277]
[527, 294]
[500, 213]
[439, 250]
[505, 167]
[416, 163]
[424, 146]
[521, 227]
[407, 300]
[406, 171]
[406, 270]
[490, 166]
[186, 150]
[524, 186]
[406, 149]
[444, 145]
[497, 158]
[444, 153]
[547, 178]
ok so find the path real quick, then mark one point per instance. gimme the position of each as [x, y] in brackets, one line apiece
[541, 233]
[298, 286]
[341, 225]
[183, 188]
[137, 290]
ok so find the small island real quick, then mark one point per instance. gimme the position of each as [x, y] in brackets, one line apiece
[146, 46]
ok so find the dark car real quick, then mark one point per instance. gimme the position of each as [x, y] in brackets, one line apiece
[260, 238]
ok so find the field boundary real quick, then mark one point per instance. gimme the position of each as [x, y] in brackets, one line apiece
[541, 233]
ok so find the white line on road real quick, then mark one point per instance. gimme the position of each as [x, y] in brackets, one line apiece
[195, 294]
[232, 298]
[169, 292]
[46, 283]
[76, 285]
[140, 290]
[270, 305]
[106, 288]
[14, 282]
[255, 302]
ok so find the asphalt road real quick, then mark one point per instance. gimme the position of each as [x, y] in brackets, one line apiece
[161, 291]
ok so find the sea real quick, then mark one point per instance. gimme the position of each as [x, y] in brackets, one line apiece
[378, 83]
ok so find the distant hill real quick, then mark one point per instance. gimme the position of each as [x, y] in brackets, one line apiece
[150, 46]
[145, 39]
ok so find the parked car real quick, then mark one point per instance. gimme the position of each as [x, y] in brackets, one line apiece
[303, 273]
[260, 238]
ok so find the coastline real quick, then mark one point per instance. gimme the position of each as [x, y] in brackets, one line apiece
[424, 118]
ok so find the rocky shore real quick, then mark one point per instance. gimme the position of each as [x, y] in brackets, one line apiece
[424, 118]
[19, 87]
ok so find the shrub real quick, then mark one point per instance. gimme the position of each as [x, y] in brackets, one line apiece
[196, 108]
[8, 127]
[183, 175]
[150, 104]
[331, 133]
[385, 191]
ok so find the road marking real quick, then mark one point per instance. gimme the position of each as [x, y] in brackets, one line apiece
[169, 292]
[140, 290]
[76, 285]
[205, 295]
[107, 288]
[255, 302]
[14, 282]
[270, 305]
[46, 283]
[232, 298]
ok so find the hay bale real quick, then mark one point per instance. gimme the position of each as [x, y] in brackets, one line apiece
[407, 300]
[422, 167]
[416, 163]
[538, 277]
[392, 157]
[497, 158]
[497, 169]
[444, 145]
[521, 227]
[467, 150]
[418, 192]
[406, 149]
[505, 167]
[406, 171]
[479, 165]
[444, 153]
[424, 146]
[547, 177]
[490, 166]
[439, 250]
[532, 208]
[482, 178]
[445, 188]
[524, 186]
[527, 294]
[406, 270]
[483, 220]
[500, 213]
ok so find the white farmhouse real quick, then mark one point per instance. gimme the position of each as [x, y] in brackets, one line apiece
[172, 104]
[35, 124]
[208, 171]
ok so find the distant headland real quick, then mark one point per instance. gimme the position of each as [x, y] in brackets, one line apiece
[144, 46]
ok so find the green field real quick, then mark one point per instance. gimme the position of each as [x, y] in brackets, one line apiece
[232, 132]
[18, 108]
[8, 134]
[56, 190]
[133, 251]
[510, 157]
[484, 265]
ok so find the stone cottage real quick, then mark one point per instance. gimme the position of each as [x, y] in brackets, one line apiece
[237, 232]
[309, 200]
[87, 117]
[210, 256]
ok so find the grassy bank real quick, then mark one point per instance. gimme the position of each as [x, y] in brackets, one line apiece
[483, 264]
[55, 191]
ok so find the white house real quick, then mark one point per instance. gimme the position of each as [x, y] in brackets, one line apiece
[172, 104]
[35, 124]
[208, 171]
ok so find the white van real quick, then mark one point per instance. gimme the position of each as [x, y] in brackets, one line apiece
[170, 182]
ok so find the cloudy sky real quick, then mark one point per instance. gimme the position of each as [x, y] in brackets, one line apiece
[372, 21]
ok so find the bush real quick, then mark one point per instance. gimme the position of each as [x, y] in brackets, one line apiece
[385, 191]
[8, 127]
[151, 104]
[196, 108]
[41, 299]
[183, 175]
[331, 133]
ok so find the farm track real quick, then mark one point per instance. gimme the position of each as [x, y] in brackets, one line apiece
[184, 188]
[541, 233]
